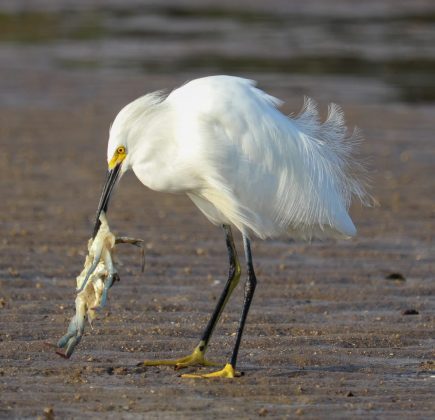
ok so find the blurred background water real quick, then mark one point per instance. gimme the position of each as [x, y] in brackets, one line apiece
[62, 53]
[67, 67]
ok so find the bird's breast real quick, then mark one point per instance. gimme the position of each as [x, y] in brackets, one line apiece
[166, 178]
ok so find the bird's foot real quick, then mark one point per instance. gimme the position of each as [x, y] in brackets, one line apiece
[227, 372]
[195, 359]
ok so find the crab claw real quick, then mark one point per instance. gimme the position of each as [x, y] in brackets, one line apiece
[75, 331]
[64, 340]
[70, 341]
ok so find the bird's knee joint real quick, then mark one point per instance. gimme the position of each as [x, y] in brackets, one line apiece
[235, 271]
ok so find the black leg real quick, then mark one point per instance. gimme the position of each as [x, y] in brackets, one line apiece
[233, 280]
[229, 370]
[250, 284]
[197, 356]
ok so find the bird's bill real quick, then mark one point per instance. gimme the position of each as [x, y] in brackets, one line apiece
[109, 184]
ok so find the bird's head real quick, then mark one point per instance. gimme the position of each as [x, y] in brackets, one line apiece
[124, 138]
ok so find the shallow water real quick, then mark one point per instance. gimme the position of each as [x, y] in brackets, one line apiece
[386, 46]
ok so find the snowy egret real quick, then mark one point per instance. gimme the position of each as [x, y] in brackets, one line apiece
[244, 164]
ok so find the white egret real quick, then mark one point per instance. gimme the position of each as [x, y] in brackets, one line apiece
[244, 164]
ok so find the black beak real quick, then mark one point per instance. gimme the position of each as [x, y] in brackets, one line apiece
[111, 178]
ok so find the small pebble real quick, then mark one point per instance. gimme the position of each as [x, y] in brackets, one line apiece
[410, 312]
[395, 276]
[200, 251]
[49, 413]
[262, 412]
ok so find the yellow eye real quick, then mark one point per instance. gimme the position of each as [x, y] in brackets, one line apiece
[121, 150]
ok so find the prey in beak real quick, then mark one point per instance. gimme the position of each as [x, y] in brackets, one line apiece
[112, 176]
[99, 272]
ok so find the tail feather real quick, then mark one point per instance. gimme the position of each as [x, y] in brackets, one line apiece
[340, 149]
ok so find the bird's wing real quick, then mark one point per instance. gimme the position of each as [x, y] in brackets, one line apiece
[265, 172]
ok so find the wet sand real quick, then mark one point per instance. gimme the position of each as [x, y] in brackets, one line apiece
[336, 330]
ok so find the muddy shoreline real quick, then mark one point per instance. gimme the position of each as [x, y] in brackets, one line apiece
[337, 329]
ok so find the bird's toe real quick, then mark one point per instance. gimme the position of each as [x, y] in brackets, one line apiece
[227, 372]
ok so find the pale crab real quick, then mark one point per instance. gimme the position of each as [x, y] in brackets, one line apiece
[97, 277]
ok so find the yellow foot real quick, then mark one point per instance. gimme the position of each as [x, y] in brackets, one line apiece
[194, 359]
[227, 372]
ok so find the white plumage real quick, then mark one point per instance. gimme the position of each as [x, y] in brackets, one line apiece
[224, 143]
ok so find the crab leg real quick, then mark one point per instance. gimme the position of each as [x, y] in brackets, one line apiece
[135, 242]
[107, 285]
[113, 275]
[91, 269]
[128, 240]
